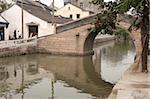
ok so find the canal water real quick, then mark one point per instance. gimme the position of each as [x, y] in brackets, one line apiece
[42, 76]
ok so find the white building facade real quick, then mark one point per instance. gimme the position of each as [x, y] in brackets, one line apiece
[13, 15]
[37, 20]
[84, 4]
[72, 11]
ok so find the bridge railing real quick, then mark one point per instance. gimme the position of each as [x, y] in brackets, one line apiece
[76, 23]
[18, 43]
[88, 20]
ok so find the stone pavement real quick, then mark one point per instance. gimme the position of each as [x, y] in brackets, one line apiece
[133, 85]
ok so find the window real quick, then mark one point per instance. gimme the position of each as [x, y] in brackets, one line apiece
[65, 3]
[71, 16]
[77, 1]
[90, 5]
[81, 4]
[68, 8]
[78, 16]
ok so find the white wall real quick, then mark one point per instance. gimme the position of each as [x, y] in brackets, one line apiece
[13, 15]
[6, 34]
[65, 12]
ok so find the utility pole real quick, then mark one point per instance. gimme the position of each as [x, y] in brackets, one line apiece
[22, 19]
[53, 19]
[53, 16]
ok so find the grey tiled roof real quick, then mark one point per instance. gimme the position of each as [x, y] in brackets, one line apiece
[41, 11]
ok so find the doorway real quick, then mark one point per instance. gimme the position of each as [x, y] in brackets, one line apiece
[2, 34]
[33, 30]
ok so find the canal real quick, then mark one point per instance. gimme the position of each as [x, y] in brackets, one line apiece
[42, 76]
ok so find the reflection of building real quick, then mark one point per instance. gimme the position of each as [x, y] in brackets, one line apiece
[32, 69]
[3, 74]
[18, 77]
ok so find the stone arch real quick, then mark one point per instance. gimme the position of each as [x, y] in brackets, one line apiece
[89, 41]
[76, 41]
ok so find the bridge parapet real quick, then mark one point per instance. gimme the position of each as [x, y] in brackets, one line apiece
[76, 23]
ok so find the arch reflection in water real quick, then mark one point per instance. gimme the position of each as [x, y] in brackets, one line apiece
[57, 77]
[78, 73]
[116, 57]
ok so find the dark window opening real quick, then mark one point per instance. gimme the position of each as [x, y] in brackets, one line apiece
[78, 16]
[81, 4]
[33, 31]
[65, 3]
[2, 35]
[68, 8]
[71, 16]
[90, 4]
[77, 1]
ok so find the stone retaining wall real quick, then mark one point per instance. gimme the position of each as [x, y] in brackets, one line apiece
[17, 51]
[18, 47]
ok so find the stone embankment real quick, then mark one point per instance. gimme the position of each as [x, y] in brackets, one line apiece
[21, 47]
[5, 52]
[18, 47]
[133, 85]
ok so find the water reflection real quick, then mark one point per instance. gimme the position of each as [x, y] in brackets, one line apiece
[77, 72]
[116, 57]
[60, 77]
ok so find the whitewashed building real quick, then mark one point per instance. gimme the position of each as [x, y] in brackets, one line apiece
[37, 19]
[84, 4]
[72, 11]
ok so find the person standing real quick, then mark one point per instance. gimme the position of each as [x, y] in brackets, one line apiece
[15, 34]
[19, 35]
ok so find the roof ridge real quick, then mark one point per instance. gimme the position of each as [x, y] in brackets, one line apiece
[33, 4]
[36, 10]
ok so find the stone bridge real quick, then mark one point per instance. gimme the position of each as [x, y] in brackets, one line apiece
[73, 38]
